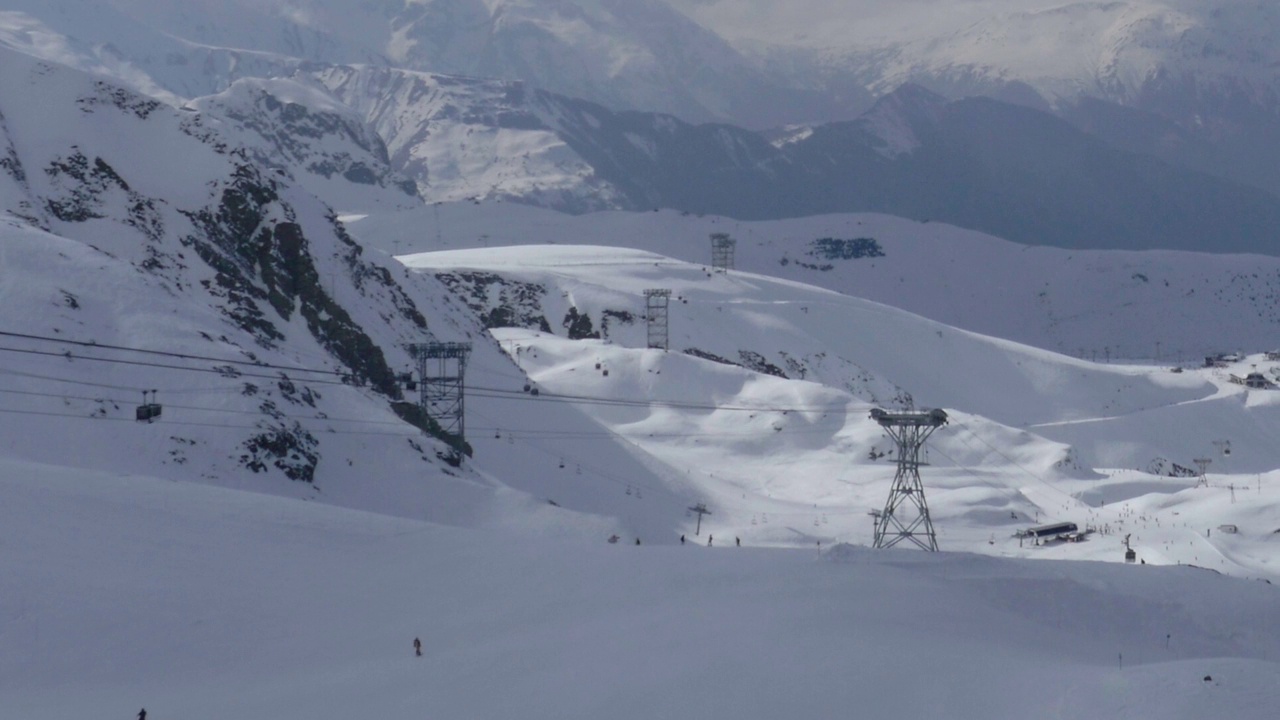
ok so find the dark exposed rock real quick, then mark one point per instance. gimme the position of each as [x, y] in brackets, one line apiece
[695, 352]
[579, 326]
[756, 361]
[292, 450]
[413, 414]
[498, 301]
[246, 244]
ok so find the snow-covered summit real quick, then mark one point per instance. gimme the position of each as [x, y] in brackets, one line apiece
[296, 127]
[1120, 51]
[633, 54]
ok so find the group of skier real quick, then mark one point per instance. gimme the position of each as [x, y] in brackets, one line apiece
[737, 541]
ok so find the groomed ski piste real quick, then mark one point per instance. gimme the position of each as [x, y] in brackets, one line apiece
[199, 602]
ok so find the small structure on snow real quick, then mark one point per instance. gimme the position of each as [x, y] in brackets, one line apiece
[1258, 381]
[1061, 531]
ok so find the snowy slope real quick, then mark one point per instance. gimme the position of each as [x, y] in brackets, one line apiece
[308, 133]
[762, 409]
[275, 342]
[1161, 306]
[272, 340]
[130, 592]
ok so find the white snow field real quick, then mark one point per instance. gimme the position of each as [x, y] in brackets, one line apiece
[204, 603]
[787, 461]
[1160, 306]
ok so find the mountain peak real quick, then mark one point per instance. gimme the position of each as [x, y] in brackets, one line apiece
[897, 118]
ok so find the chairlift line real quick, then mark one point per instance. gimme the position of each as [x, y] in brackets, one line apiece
[166, 353]
[346, 379]
[138, 363]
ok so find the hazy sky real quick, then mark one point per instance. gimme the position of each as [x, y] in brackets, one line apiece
[840, 22]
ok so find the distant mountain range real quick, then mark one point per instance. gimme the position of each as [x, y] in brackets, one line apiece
[1005, 169]
[1193, 83]
[1166, 131]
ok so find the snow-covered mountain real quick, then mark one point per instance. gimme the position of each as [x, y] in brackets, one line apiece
[1004, 169]
[1129, 52]
[1132, 179]
[632, 54]
[1191, 75]
[151, 238]
[300, 129]
[463, 139]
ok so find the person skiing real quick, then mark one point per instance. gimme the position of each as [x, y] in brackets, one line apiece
[142, 714]
[681, 539]
[737, 541]
[709, 537]
[417, 647]
[637, 541]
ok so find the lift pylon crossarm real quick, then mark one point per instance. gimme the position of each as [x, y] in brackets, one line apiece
[928, 418]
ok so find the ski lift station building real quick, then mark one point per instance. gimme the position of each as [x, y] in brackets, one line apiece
[1051, 530]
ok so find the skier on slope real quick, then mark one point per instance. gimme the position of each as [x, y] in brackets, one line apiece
[142, 714]
[417, 647]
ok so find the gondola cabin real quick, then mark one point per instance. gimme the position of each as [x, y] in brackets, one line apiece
[149, 409]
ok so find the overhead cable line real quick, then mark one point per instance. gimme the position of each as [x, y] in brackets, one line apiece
[117, 401]
[105, 386]
[1019, 465]
[490, 392]
[166, 353]
[327, 431]
[218, 371]
[480, 390]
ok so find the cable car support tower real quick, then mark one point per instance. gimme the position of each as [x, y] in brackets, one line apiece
[442, 369]
[906, 512]
[657, 301]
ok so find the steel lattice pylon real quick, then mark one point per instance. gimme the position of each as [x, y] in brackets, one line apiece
[655, 313]
[722, 247]
[441, 383]
[909, 431]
